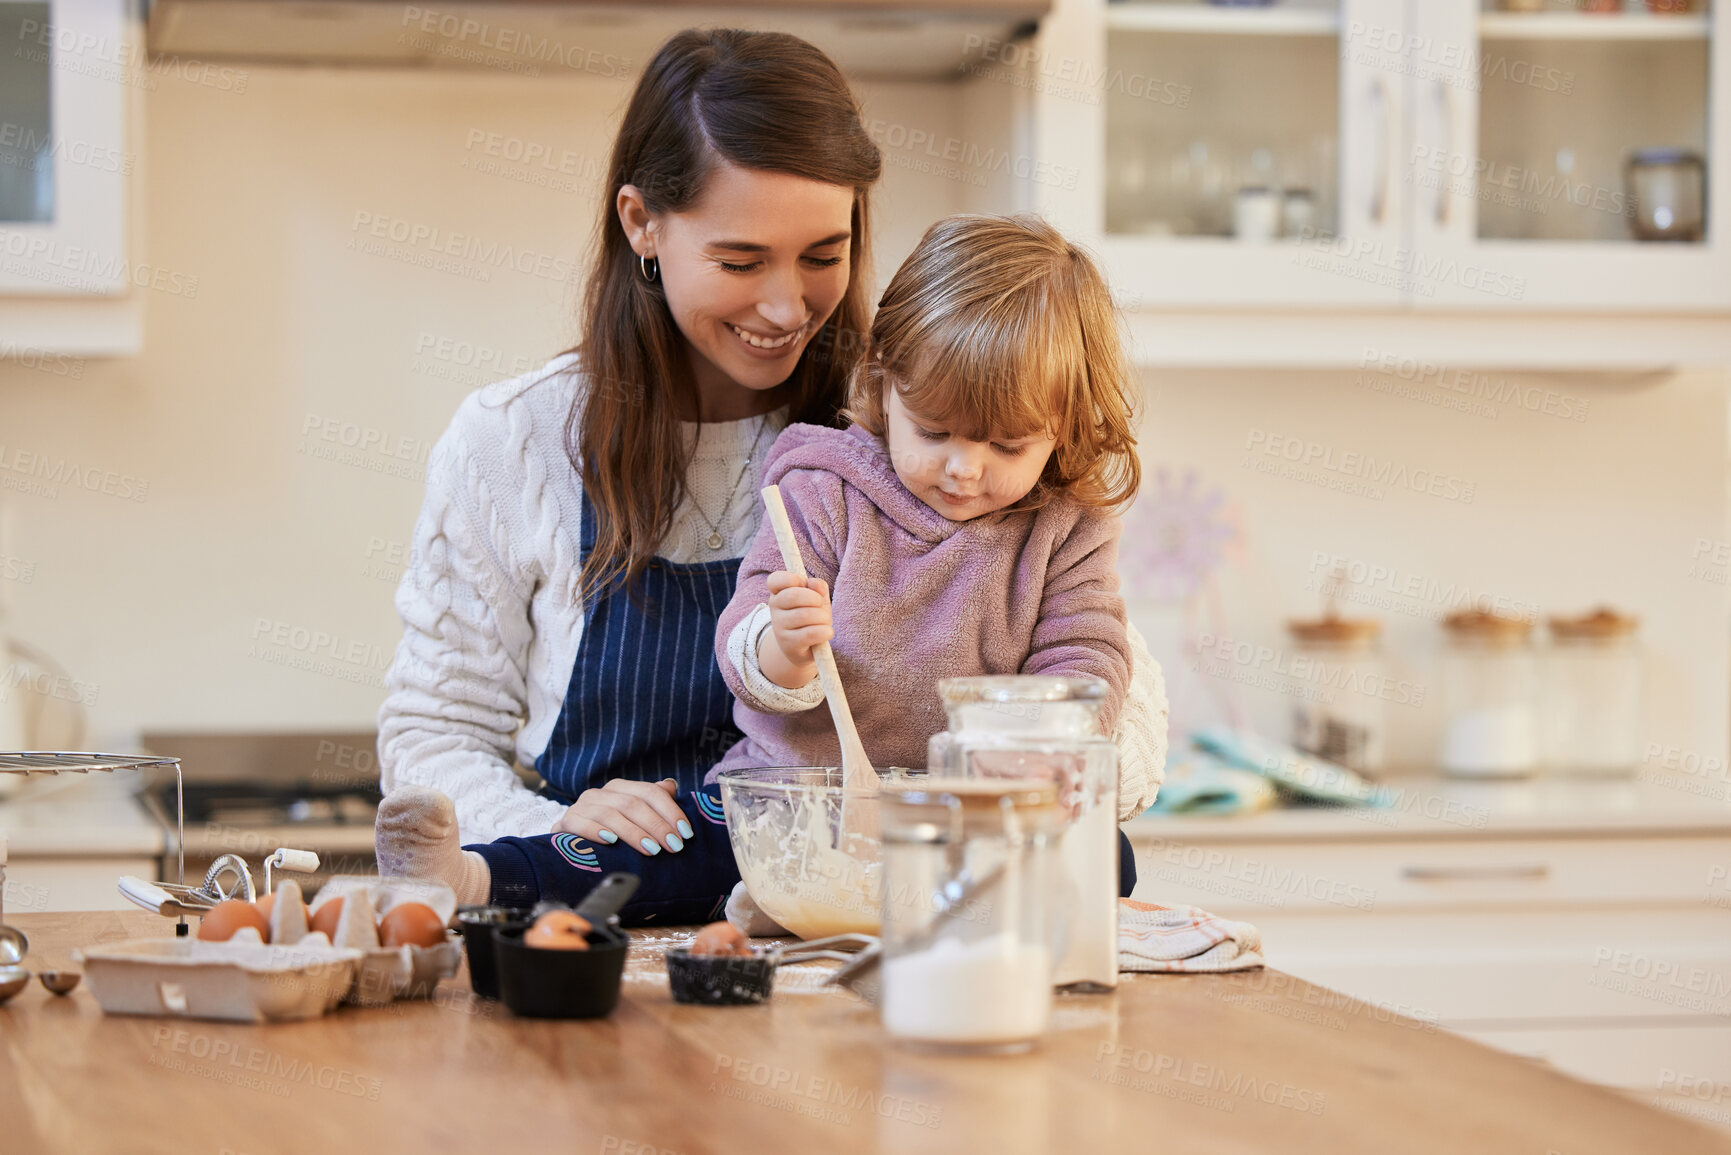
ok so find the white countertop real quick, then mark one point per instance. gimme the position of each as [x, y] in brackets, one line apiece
[82, 815]
[99, 814]
[1438, 807]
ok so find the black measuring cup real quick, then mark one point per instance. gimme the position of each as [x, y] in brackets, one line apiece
[539, 983]
[478, 924]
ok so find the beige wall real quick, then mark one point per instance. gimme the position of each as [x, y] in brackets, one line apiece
[1564, 514]
[156, 603]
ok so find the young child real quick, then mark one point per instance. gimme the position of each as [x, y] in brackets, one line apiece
[965, 522]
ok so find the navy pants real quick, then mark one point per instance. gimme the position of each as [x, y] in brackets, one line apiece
[690, 886]
[681, 887]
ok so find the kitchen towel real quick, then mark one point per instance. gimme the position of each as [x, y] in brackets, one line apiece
[1200, 783]
[1183, 939]
[1293, 771]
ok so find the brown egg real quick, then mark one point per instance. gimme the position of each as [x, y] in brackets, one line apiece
[414, 923]
[721, 940]
[558, 930]
[324, 919]
[227, 917]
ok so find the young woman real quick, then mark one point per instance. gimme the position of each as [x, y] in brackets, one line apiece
[583, 526]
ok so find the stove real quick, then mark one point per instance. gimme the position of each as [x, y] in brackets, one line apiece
[259, 804]
[248, 793]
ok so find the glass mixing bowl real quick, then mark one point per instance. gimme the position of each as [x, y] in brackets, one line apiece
[800, 866]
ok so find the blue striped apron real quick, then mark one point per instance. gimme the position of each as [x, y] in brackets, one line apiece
[646, 699]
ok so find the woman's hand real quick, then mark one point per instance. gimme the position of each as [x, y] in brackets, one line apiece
[642, 815]
[799, 620]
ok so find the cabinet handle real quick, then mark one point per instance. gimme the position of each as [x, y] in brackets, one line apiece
[1447, 873]
[1379, 165]
[1445, 115]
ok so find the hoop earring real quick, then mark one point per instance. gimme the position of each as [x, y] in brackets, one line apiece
[650, 268]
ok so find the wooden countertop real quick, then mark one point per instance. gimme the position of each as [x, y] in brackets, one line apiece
[1251, 1062]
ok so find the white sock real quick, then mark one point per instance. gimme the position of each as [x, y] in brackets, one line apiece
[744, 913]
[416, 837]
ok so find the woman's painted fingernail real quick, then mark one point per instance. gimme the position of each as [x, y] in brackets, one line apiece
[674, 844]
[609, 837]
[649, 847]
[684, 828]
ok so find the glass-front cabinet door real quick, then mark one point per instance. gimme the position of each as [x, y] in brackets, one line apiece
[1562, 154]
[1432, 154]
[1230, 154]
[65, 69]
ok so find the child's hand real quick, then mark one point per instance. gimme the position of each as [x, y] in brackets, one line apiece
[799, 620]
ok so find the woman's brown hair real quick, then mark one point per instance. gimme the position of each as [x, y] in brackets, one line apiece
[758, 100]
[1000, 326]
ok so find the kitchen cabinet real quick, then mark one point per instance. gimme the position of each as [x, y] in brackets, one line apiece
[871, 39]
[66, 840]
[1587, 924]
[1455, 158]
[73, 882]
[70, 277]
[1516, 156]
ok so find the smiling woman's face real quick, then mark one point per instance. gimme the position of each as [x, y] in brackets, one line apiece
[751, 272]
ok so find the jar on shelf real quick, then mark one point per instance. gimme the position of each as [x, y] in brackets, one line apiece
[1490, 683]
[1338, 713]
[967, 912]
[1590, 696]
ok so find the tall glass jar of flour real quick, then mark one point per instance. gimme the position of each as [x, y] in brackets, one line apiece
[1490, 686]
[1030, 726]
[966, 906]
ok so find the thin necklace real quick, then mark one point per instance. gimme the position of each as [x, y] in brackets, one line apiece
[714, 539]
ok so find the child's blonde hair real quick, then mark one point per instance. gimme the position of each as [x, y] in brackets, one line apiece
[1000, 326]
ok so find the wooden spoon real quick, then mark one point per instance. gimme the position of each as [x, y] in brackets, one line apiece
[856, 767]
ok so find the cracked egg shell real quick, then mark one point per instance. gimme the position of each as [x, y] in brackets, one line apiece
[720, 940]
[559, 930]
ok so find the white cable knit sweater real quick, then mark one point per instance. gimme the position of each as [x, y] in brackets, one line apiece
[491, 621]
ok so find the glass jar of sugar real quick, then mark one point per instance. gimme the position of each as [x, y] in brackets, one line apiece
[1035, 726]
[967, 912]
[1489, 677]
[1590, 695]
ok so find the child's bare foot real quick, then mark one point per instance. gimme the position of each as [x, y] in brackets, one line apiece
[416, 837]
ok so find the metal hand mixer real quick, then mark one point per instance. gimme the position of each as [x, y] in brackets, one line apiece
[227, 878]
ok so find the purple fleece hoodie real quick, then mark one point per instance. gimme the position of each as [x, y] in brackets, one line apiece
[917, 597]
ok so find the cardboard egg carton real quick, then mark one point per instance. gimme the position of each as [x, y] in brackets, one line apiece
[240, 981]
[389, 973]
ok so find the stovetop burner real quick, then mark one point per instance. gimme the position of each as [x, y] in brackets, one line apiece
[274, 804]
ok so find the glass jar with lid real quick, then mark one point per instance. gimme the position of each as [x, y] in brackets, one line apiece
[1489, 676]
[1338, 711]
[1036, 726]
[967, 955]
[1590, 694]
